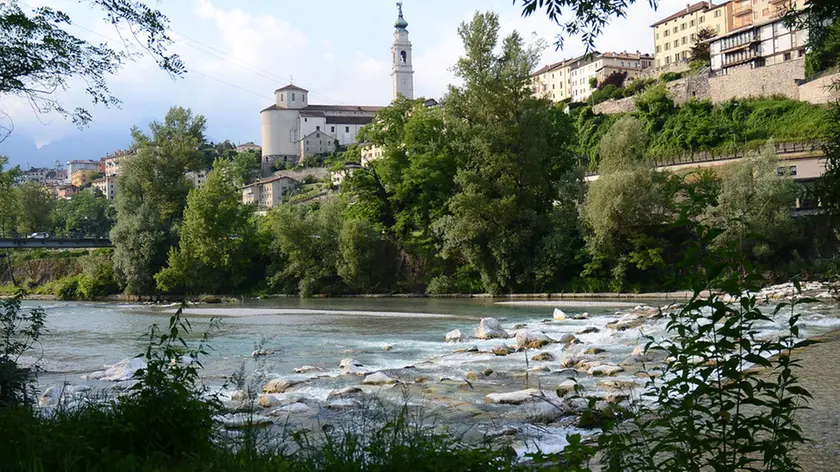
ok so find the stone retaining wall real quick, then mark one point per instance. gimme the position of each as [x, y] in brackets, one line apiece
[743, 82]
[819, 91]
[779, 79]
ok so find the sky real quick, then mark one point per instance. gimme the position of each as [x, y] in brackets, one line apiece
[238, 52]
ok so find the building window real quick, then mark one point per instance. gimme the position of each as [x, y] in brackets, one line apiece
[667, 59]
[658, 49]
[693, 36]
[676, 43]
[332, 129]
[293, 96]
[801, 52]
[702, 19]
[691, 23]
[346, 129]
[657, 35]
[684, 39]
[306, 120]
[682, 26]
[717, 13]
[667, 33]
[792, 170]
[667, 46]
[676, 58]
[787, 56]
[282, 95]
[717, 28]
[317, 128]
[403, 57]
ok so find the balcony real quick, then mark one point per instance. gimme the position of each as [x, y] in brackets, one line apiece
[743, 10]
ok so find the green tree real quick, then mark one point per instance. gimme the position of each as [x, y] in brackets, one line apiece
[754, 206]
[623, 147]
[33, 203]
[700, 49]
[86, 214]
[151, 195]
[364, 262]
[38, 57]
[516, 152]
[8, 208]
[304, 247]
[217, 247]
[244, 167]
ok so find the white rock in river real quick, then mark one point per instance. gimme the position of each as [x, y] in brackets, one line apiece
[514, 398]
[344, 392]
[544, 412]
[490, 328]
[238, 395]
[297, 407]
[532, 339]
[121, 371]
[305, 368]
[567, 386]
[50, 397]
[455, 336]
[605, 369]
[559, 314]
[378, 379]
[241, 420]
[351, 367]
[581, 316]
[271, 400]
[501, 349]
[279, 385]
[343, 403]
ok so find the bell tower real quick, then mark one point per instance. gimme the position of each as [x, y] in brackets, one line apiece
[402, 72]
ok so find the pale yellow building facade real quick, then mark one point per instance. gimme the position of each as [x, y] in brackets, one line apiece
[675, 35]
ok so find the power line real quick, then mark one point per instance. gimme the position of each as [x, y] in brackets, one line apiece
[243, 64]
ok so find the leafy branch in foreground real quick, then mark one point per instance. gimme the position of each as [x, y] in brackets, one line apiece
[39, 57]
[20, 331]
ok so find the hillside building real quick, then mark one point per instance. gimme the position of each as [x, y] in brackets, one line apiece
[77, 165]
[675, 35]
[106, 185]
[755, 46]
[269, 192]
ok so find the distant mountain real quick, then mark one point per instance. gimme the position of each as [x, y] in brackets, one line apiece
[87, 144]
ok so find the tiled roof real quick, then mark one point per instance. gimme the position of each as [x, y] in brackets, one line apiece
[348, 120]
[685, 11]
[328, 108]
[291, 87]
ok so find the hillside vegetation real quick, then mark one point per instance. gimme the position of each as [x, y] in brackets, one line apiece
[700, 126]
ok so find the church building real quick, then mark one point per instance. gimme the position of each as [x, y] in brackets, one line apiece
[293, 128]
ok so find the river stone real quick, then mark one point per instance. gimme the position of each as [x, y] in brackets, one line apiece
[567, 338]
[514, 398]
[296, 407]
[378, 379]
[589, 330]
[351, 366]
[343, 404]
[539, 368]
[520, 326]
[506, 431]
[279, 385]
[559, 315]
[605, 369]
[305, 368]
[638, 350]
[581, 316]
[501, 349]
[490, 328]
[625, 324]
[455, 336]
[261, 353]
[50, 397]
[543, 356]
[543, 412]
[344, 392]
[532, 339]
[271, 400]
[239, 396]
[594, 350]
[121, 371]
[242, 420]
[487, 372]
[566, 387]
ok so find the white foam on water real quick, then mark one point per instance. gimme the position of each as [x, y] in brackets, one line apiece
[246, 312]
[569, 303]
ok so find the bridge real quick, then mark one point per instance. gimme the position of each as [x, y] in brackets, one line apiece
[54, 243]
[804, 161]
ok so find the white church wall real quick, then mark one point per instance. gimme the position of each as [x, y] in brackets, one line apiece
[279, 132]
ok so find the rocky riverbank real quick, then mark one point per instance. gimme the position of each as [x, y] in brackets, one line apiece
[511, 380]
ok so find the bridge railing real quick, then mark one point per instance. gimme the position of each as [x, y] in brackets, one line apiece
[699, 157]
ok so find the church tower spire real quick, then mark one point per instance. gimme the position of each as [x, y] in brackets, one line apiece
[402, 72]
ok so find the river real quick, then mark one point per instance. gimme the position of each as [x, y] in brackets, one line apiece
[403, 338]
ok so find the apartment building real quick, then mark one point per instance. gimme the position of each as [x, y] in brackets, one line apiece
[597, 67]
[269, 192]
[676, 34]
[107, 185]
[757, 45]
[77, 165]
[755, 12]
[554, 81]
[112, 162]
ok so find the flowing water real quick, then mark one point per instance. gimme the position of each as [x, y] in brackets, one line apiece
[401, 337]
